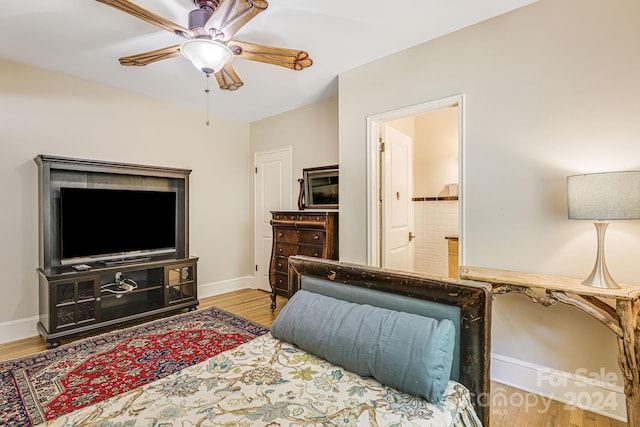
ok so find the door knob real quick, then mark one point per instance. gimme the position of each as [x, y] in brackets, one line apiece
[411, 236]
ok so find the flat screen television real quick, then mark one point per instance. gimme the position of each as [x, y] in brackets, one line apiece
[103, 224]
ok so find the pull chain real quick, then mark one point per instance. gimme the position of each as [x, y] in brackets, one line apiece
[207, 92]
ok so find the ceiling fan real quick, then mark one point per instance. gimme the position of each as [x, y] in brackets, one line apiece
[209, 45]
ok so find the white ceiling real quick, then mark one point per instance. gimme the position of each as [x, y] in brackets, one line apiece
[84, 39]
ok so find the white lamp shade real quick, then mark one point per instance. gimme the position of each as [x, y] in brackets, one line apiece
[206, 55]
[604, 196]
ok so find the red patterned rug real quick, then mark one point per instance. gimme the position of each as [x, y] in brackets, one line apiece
[45, 385]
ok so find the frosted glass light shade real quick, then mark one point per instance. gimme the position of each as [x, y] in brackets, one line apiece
[206, 55]
[603, 196]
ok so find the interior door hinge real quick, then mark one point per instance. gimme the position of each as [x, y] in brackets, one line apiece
[256, 267]
[256, 169]
[381, 146]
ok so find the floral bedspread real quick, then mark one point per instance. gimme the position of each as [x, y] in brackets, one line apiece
[268, 382]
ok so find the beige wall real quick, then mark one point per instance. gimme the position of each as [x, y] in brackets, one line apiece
[550, 90]
[435, 150]
[406, 125]
[47, 113]
[435, 153]
[311, 131]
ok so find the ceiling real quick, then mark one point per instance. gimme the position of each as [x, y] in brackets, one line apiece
[84, 39]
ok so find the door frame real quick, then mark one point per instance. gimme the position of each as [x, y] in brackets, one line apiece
[287, 152]
[374, 174]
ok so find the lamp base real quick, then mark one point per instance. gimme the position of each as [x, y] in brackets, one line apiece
[600, 277]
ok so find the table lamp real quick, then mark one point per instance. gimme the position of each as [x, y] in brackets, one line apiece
[601, 197]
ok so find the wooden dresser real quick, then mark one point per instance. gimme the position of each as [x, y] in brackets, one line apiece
[311, 233]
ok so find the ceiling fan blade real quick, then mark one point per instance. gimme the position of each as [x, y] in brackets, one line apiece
[147, 16]
[228, 79]
[288, 58]
[152, 56]
[230, 15]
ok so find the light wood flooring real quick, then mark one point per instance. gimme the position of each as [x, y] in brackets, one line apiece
[510, 407]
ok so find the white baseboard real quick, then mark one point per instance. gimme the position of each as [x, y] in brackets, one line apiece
[584, 390]
[15, 330]
[224, 286]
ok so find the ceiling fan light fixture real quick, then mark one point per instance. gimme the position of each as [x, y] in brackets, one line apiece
[206, 55]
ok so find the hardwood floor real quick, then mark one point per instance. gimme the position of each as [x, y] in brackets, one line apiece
[509, 406]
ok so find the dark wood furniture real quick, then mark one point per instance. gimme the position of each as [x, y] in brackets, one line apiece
[299, 233]
[472, 298]
[73, 302]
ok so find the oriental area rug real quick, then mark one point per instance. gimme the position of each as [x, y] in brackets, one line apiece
[45, 385]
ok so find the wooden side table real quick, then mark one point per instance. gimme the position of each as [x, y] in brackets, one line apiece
[621, 320]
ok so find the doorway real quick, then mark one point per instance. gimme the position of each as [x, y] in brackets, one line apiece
[433, 208]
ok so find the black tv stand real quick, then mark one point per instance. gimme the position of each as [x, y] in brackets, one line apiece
[71, 301]
[126, 261]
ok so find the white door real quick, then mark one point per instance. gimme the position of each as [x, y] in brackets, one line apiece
[272, 192]
[397, 193]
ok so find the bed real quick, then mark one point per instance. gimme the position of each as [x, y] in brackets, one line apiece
[346, 331]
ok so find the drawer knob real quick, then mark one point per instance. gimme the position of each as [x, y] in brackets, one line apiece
[279, 234]
[316, 237]
[279, 264]
[280, 250]
[316, 254]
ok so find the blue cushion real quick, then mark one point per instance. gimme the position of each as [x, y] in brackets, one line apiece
[405, 351]
[362, 295]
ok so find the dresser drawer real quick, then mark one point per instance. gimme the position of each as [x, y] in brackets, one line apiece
[318, 217]
[281, 265]
[286, 235]
[307, 216]
[310, 250]
[281, 282]
[299, 236]
[288, 249]
[315, 237]
[288, 216]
